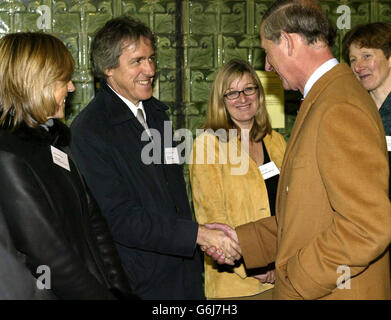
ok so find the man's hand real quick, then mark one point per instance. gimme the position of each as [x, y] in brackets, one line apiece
[217, 253]
[213, 236]
[268, 277]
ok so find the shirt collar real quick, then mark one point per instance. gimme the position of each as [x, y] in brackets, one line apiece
[130, 104]
[328, 65]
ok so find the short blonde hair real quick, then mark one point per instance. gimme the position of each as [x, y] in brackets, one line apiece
[217, 116]
[31, 65]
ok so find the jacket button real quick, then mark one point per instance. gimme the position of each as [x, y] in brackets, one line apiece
[287, 189]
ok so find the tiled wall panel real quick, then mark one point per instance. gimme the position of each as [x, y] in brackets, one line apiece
[194, 38]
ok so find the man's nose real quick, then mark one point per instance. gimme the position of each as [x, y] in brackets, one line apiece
[149, 68]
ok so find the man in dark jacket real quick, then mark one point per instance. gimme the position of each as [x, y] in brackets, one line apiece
[145, 203]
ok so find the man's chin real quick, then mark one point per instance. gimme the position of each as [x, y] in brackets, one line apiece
[145, 96]
[288, 87]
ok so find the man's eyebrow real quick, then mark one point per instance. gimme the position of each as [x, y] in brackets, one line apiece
[142, 57]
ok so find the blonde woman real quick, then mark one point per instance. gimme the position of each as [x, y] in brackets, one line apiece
[54, 223]
[234, 173]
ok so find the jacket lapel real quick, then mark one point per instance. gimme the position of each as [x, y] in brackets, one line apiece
[302, 114]
[306, 106]
[304, 109]
[118, 111]
[155, 111]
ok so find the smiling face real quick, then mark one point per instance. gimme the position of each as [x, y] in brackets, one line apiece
[370, 66]
[242, 109]
[60, 93]
[133, 77]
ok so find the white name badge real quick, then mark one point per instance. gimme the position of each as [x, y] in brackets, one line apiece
[60, 158]
[171, 155]
[388, 140]
[269, 170]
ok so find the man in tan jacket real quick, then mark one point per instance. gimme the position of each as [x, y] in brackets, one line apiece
[333, 219]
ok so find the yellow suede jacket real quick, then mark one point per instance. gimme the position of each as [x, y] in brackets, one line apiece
[227, 187]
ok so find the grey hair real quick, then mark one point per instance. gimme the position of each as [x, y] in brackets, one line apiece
[109, 41]
[304, 17]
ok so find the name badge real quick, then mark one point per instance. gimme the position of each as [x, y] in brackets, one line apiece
[269, 170]
[60, 158]
[388, 140]
[171, 155]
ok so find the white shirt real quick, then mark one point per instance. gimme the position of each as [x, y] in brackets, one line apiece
[325, 67]
[131, 105]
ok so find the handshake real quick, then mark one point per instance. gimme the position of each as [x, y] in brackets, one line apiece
[220, 242]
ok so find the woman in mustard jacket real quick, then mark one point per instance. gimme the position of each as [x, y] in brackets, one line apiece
[234, 173]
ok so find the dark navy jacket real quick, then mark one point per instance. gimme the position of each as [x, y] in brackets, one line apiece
[146, 205]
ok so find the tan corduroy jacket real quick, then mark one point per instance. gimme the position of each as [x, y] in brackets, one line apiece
[230, 189]
[333, 212]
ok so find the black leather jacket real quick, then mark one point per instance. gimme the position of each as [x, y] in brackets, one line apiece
[52, 218]
[16, 280]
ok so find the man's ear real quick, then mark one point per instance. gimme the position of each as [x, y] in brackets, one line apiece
[289, 41]
[108, 72]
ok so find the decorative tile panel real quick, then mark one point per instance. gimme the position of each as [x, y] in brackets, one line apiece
[194, 39]
[384, 11]
[209, 33]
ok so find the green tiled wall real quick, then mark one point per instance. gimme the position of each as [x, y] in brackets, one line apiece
[194, 38]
